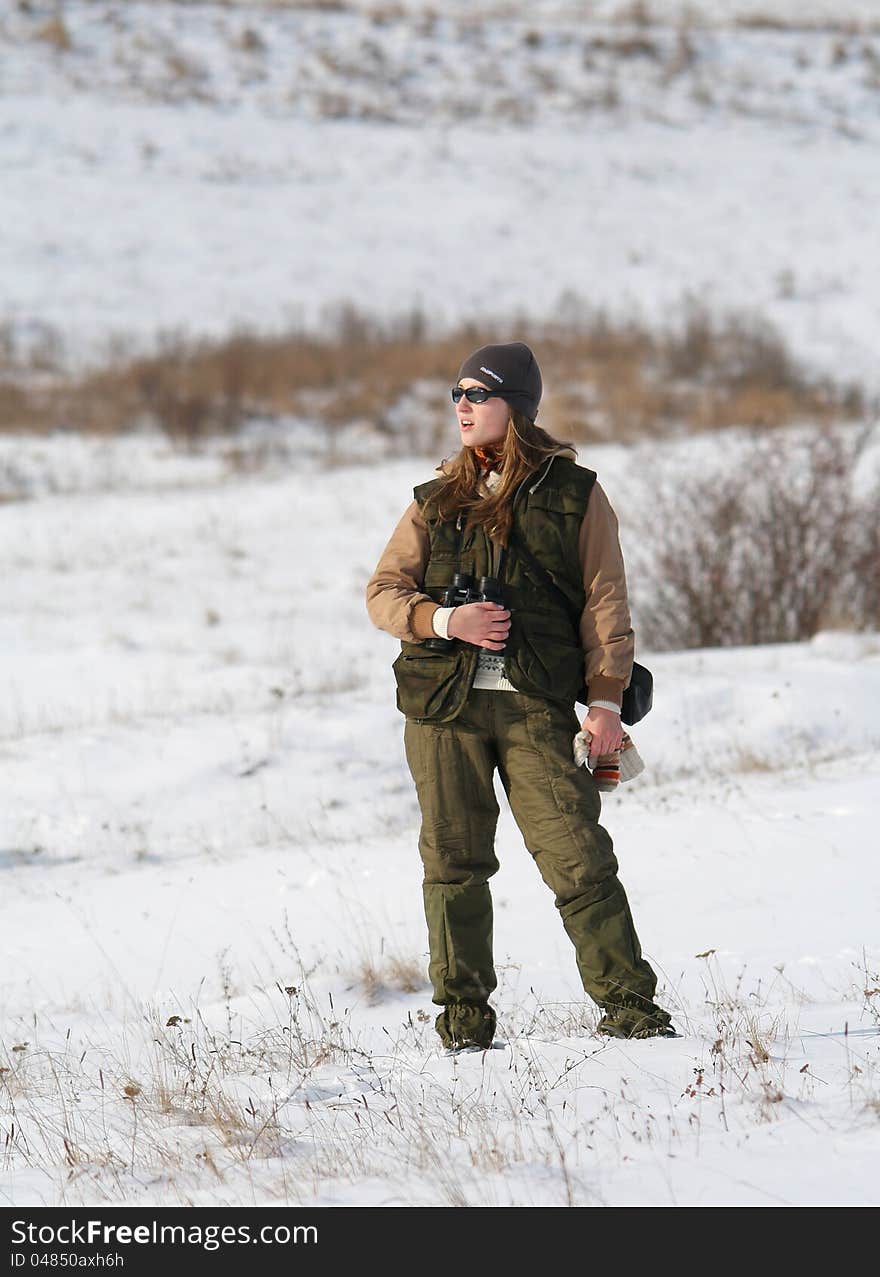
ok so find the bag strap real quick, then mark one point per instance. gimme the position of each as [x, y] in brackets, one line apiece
[543, 575]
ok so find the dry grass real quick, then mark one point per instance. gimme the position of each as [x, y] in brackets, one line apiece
[55, 33]
[606, 378]
[273, 1098]
[380, 969]
[389, 976]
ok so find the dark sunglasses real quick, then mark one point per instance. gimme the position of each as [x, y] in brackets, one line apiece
[473, 394]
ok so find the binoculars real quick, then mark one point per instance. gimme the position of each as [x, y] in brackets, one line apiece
[462, 590]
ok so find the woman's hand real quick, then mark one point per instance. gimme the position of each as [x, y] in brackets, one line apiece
[606, 730]
[483, 624]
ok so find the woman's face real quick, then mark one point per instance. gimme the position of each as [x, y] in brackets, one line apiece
[481, 423]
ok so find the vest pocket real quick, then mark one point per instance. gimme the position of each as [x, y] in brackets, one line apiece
[547, 661]
[430, 683]
[439, 571]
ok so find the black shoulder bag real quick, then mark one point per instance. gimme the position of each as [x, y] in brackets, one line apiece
[639, 696]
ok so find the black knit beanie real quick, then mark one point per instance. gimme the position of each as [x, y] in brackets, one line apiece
[510, 368]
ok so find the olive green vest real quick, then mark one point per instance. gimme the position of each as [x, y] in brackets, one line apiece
[543, 654]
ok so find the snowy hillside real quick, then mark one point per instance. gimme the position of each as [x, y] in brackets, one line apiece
[212, 952]
[198, 167]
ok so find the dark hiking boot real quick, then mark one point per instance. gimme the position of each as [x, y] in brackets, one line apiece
[641, 1019]
[466, 1026]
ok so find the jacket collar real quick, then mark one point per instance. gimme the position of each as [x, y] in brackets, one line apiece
[562, 451]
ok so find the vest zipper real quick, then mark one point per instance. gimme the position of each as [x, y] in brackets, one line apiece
[538, 482]
[497, 557]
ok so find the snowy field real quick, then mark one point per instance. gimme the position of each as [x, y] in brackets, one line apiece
[212, 952]
[199, 167]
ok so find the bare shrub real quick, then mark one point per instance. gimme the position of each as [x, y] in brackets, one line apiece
[185, 70]
[383, 15]
[872, 67]
[334, 106]
[250, 41]
[638, 13]
[796, 22]
[839, 52]
[517, 110]
[862, 602]
[629, 46]
[763, 385]
[771, 550]
[683, 57]
[55, 33]
[610, 95]
[745, 348]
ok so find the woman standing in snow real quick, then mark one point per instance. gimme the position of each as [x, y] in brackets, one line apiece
[492, 684]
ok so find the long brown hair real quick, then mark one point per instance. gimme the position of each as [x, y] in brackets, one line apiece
[524, 447]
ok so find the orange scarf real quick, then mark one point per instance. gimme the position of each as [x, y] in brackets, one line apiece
[490, 456]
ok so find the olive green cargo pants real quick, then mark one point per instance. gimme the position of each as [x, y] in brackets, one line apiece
[556, 805]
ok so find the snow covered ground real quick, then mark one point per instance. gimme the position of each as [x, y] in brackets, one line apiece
[212, 953]
[201, 167]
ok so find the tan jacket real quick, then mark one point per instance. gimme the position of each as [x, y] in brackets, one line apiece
[397, 603]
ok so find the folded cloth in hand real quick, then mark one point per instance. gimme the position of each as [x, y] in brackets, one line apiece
[609, 770]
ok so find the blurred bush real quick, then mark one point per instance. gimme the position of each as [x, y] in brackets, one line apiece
[783, 543]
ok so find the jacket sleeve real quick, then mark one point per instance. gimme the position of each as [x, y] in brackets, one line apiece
[605, 627]
[396, 601]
